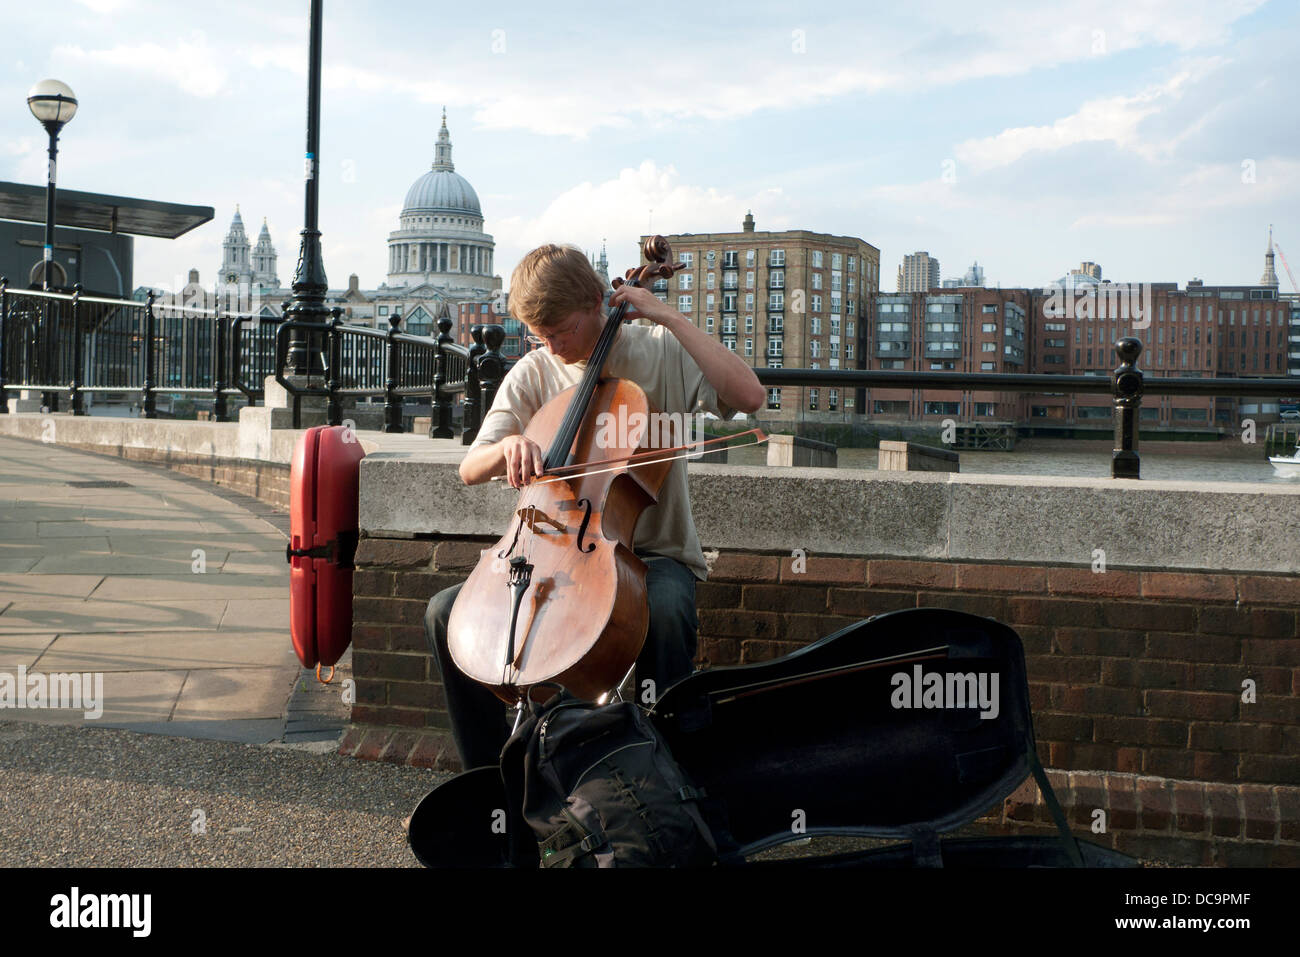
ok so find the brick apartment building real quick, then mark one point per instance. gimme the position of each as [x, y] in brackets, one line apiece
[790, 298]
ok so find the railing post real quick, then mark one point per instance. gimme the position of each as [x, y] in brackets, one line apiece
[221, 370]
[4, 317]
[50, 373]
[334, 350]
[492, 367]
[392, 401]
[148, 401]
[78, 354]
[473, 387]
[1126, 383]
[439, 404]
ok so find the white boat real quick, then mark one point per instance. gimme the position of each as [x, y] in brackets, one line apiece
[1287, 466]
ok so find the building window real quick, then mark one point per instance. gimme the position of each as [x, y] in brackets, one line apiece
[817, 259]
[816, 303]
[815, 349]
[776, 300]
[383, 310]
[988, 309]
[988, 347]
[812, 400]
[749, 347]
[749, 324]
[729, 259]
[685, 280]
[941, 408]
[816, 280]
[774, 398]
[776, 279]
[684, 303]
[708, 325]
[749, 280]
[775, 347]
[712, 281]
[688, 258]
[815, 326]
[988, 366]
[776, 257]
[749, 300]
[749, 258]
[709, 257]
[989, 327]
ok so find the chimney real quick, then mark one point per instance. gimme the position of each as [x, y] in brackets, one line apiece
[194, 277]
[748, 224]
[354, 284]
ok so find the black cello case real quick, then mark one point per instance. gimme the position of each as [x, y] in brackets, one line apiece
[877, 731]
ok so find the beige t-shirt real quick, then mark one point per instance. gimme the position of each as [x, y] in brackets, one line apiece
[654, 359]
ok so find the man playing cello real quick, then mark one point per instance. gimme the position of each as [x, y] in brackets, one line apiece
[558, 296]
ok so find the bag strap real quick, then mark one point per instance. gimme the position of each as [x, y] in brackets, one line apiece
[1053, 806]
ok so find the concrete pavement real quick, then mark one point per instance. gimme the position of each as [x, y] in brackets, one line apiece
[175, 590]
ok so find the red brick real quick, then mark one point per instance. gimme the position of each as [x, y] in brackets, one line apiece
[1082, 754]
[719, 651]
[863, 603]
[1225, 814]
[1084, 581]
[1088, 792]
[986, 606]
[417, 694]
[1155, 804]
[385, 715]
[459, 556]
[389, 611]
[372, 583]
[745, 567]
[784, 598]
[1193, 586]
[1248, 622]
[1271, 768]
[1121, 802]
[399, 747]
[434, 750]
[1167, 762]
[1112, 729]
[827, 571]
[1269, 589]
[1288, 808]
[1053, 611]
[408, 638]
[727, 622]
[372, 744]
[1189, 807]
[1050, 726]
[1261, 812]
[805, 629]
[1036, 639]
[373, 637]
[1273, 708]
[351, 739]
[1203, 706]
[884, 572]
[393, 552]
[1058, 668]
[1271, 651]
[1026, 579]
[1128, 760]
[1165, 849]
[1214, 766]
[423, 585]
[1143, 673]
[1185, 647]
[371, 691]
[714, 595]
[377, 664]
[1093, 641]
[1164, 616]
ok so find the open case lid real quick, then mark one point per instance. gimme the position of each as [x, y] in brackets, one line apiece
[869, 731]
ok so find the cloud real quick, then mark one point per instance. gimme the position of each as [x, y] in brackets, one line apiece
[1114, 119]
[188, 64]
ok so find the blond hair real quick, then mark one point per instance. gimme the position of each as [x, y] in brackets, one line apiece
[550, 283]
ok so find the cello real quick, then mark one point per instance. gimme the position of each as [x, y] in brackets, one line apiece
[561, 597]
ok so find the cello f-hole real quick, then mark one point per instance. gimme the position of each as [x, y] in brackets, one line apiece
[586, 518]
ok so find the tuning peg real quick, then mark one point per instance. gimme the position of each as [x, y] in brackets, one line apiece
[616, 282]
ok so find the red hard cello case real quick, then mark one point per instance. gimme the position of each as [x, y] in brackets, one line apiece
[323, 483]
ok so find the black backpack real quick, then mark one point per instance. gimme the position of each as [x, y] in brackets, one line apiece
[596, 786]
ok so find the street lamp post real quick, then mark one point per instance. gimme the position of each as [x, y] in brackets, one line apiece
[309, 283]
[53, 104]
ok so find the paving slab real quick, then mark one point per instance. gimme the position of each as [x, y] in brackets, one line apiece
[226, 694]
[98, 617]
[167, 651]
[22, 650]
[16, 587]
[184, 586]
[126, 696]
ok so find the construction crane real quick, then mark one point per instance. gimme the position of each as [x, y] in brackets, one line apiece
[1286, 265]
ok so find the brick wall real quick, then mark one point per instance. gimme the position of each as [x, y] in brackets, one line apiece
[1136, 678]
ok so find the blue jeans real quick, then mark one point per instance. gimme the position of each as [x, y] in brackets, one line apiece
[479, 722]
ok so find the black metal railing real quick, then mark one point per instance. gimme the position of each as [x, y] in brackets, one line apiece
[1126, 386]
[59, 343]
[361, 362]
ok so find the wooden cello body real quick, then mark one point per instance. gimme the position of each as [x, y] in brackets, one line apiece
[561, 597]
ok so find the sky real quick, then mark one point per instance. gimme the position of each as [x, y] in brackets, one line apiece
[1154, 138]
